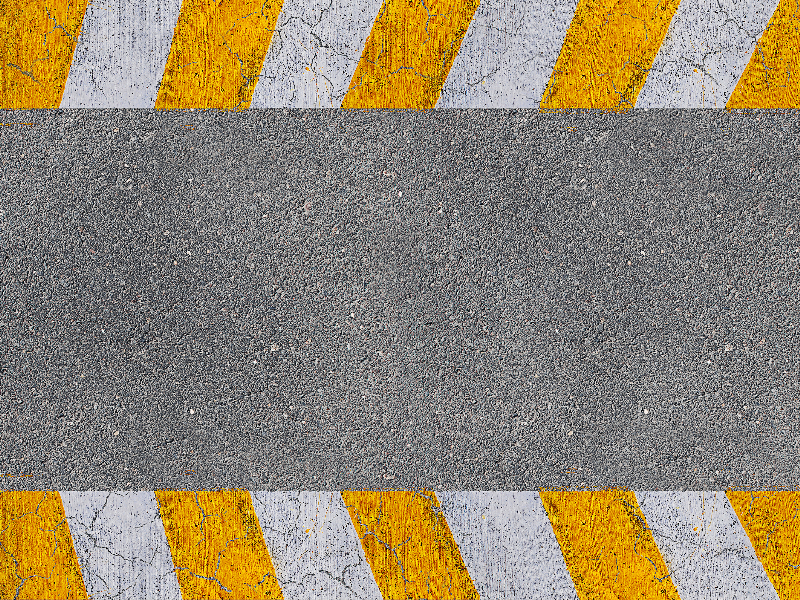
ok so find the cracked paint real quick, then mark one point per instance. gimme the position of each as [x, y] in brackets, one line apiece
[772, 524]
[767, 81]
[704, 546]
[37, 558]
[409, 546]
[507, 55]
[607, 52]
[121, 54]
[37, 41]
[508, 545]
[607, 545]
[120, 542]
[314, 546]
[217, 51]
[705, 51]
[314, 53]
[217, 545]
[408, 54]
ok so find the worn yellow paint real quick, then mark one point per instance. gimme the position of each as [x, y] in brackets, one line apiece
[37, 558]
[217, 545]
[607, 52]
[37, 41]
[772, 522]
[217, 52]
[408, 545]
[408, 53]
[608, 548]
[770, 79]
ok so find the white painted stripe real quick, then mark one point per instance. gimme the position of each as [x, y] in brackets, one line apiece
[121, 545]
[507, 55]
[708, 554]
[314, 546]
[508, 545]
[707, 47]
[121, 53]
[314, 52]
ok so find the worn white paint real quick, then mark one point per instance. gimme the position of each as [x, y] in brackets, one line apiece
[314, 52]
[705, 548]
[121, 545]
[507, 55]
[705, 52]
[314, 546]
[121, 53]
[508, 545]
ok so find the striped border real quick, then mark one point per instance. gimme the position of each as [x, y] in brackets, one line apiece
[401, 54]
[400, 544]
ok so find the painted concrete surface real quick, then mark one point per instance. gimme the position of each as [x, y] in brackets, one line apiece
[707, 48]
[121, 53]
[396, 544]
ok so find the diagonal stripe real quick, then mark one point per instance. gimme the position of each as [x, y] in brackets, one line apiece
[704, 546]
[121, 53]
[37, 41]
[704, 53]
[217, 51]
[121, 545]
[772, 522]
[508, 545]
[217, 546]
[770, 78]
[409, 546]
[314, 547]
[609, 47]
[608, 547]
[408, 53]
[37, 557]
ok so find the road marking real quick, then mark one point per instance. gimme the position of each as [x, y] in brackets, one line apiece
[37, 558]
[507, 55]
[121, 545]
[409, 546]
[408, 53]
[607, 546]
[314, 546]
[121, 54]
[508, 545]
[704, 546]
[609, 48]
[217, 52]
[770, 78]
[217, 546]
[772, 524]
[37, 41]
[704, 53]
[314, 53]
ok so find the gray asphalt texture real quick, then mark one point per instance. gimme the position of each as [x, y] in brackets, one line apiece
[394, 300]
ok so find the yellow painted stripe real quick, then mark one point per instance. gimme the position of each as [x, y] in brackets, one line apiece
[408, 53]
[609, 48]
[37, 558]
[772, 522]
[217, 545]
[409, 546]
[37, 41]
[608, 548]
[770, 78]
[217, 52]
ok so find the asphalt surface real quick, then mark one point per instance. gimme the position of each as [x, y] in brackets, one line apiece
[461, 300]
